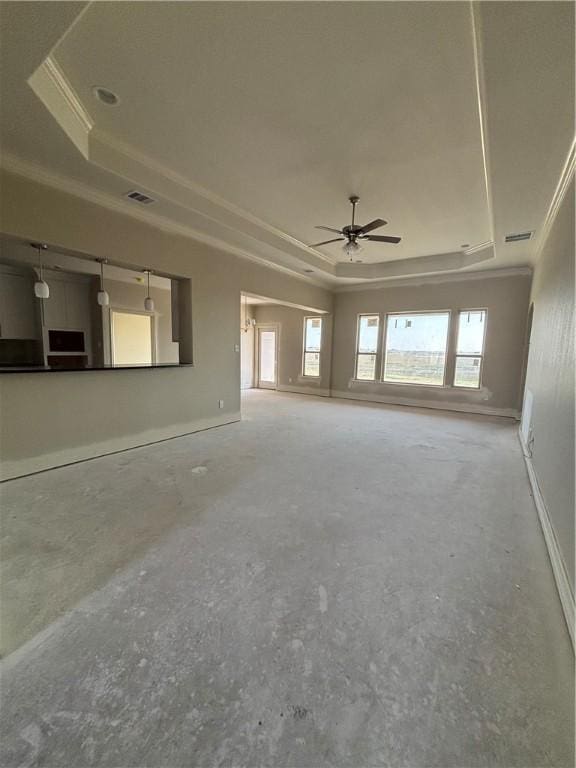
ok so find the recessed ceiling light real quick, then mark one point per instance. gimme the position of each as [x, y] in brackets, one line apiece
[309, 270]
[105, 96]
[465, 245]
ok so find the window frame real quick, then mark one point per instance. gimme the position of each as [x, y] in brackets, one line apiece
[357, 352]
[446, 352]
[460, 312]
[312, 351]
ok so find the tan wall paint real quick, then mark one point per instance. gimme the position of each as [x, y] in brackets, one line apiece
[128, 296]
[550, 378]
[290, 323]
[505, 298]
[48, 419]
[246, 348]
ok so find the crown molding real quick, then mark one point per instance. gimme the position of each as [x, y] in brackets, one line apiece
[36, 173]
[451, 277]
[54, 91]
[51, 86]
[566, 176]
[102, 145]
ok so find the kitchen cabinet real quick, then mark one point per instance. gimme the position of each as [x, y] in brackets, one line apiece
[19, 310]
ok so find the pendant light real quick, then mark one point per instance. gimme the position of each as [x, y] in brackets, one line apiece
[148, 301]
[102, 297]
[41, 287]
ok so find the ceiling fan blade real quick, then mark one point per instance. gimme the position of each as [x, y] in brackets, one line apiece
[325, 242]
[382, 239]
[330, 229]
[373, 225]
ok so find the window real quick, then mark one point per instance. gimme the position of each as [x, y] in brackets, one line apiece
[416, 348]
[367, 347]
[470, 348]
[312, 342]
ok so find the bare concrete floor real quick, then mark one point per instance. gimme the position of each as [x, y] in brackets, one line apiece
[327, 583]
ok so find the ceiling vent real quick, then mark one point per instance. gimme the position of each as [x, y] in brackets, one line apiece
[517, 236]
[140, 197]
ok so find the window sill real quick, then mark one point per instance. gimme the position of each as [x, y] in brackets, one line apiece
[401, 383]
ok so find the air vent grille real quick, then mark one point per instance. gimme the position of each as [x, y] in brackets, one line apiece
[517, 236]
[140, 197]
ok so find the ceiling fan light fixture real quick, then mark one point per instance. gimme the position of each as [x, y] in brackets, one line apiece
[351, 248]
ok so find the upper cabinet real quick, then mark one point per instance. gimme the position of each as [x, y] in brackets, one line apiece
[69, 304]
[19, 310]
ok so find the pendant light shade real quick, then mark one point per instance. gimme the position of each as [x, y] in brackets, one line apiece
[148, 301]
[41, 287]
[103, 298]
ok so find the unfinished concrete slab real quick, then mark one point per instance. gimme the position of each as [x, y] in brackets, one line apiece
[327, 583]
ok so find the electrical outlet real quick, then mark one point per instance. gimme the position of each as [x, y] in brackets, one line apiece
[236, 347]
[220, 403]
[289, 381]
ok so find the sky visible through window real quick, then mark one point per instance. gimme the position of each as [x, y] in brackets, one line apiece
[313, 334]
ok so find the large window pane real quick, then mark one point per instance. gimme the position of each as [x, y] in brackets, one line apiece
[471, 332]
[368, 333]
[313, 334]
[367, 347]
[416, 348]
[467, 372]
[312, 344]
[366, 367]
[311, 364]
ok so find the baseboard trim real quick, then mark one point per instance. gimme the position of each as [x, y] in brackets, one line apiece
[10, 470]
[319, 391]
[556, 560]
[483, 410]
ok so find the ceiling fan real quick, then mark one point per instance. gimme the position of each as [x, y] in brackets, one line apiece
[353, 233]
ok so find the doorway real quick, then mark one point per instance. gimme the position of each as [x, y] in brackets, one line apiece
[132, 338]
[267, 358]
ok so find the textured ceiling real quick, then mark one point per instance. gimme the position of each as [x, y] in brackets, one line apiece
[452, 125]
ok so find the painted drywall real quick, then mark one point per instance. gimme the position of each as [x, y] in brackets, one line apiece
[506, 302]
[96, 412]
[550, 378]
[124, 296]
[246, 347]
[290, 323]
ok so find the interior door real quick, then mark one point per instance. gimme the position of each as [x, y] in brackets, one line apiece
[267, 363]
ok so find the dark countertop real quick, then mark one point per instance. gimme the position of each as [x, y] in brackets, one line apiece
[47, 369]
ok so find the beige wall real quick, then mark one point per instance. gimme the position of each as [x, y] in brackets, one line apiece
[550, 378]
[131, 297]
[246, 348]
[506, 300]
[113, 410]
[290, 324]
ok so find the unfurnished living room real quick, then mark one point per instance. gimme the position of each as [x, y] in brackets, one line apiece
[287, 384]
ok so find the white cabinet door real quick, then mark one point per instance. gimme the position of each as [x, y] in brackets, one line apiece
[77, 306]
[55, 305]
[18, 310]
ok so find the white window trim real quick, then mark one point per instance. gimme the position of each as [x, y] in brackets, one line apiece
[304, 350]
[444, 385]
[378, 347]
[481, 355]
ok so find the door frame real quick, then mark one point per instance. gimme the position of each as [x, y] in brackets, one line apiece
[266, 327]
